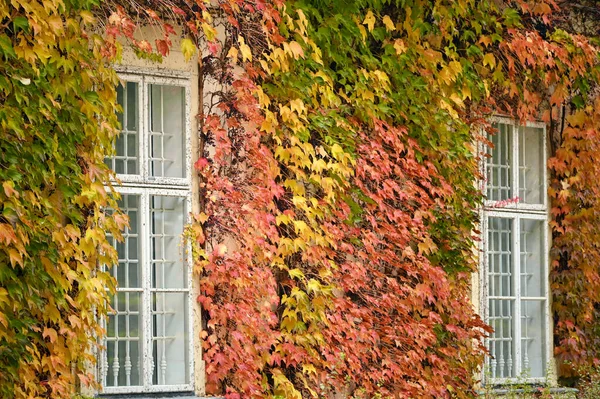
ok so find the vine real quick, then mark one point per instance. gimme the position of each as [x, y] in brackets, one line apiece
[57, 124]
[337, 165]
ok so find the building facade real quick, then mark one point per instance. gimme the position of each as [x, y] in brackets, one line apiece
[152, 344]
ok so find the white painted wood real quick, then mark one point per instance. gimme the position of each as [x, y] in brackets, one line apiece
[146, 186]
[516, 212]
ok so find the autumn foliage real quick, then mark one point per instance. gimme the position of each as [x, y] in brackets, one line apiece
[338, 162]
[56, 124]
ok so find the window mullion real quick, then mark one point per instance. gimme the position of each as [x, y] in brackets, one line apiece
[515, 161]
[517, 286]
[546, 276]
[146, 302]
[544, 170]
[188, 266]
[144, 124]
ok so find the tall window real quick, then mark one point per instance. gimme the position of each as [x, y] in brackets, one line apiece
[515, 259]
[147, 347]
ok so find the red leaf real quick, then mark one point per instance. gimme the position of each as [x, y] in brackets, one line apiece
[201, 164]
[162, 47]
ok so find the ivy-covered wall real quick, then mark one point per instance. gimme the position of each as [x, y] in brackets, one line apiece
[57, 123]
[337, 214]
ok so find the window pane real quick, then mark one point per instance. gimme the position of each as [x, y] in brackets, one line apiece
[533, 336]
[169, 338]
[167, 254]
[533, 273]
[125, 160]
[122, 363]
[531, 164]
[499, 175]
[499, 253]
[501, 363]
[128, 273]
[167, 131]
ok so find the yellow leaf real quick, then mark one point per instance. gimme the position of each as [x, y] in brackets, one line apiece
[233, 53]
[4, 296]
[363, 32]
[50, 333]
[296, 273]
[55, 23]
[489, 59]
[206, 15]
[456, 66]
[188, 49]
[309, 369]
[87, 17]
[298, 106]
[314, 286]
[245, 50]
[15, 257]
[399, 47]
[209, 31]
[447, 107]
[9, 189]
[201, 217]
[457, 100]
[577, 119]
[337, 151]
[300, 226]
[303, 21]
[369, 21]
[389, 25]
[296, 50]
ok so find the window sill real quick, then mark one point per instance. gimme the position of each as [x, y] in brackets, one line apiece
[157, 395]
[499, 392]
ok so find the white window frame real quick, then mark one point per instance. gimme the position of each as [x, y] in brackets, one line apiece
[144, 178]
[146, 186]
[516, 211]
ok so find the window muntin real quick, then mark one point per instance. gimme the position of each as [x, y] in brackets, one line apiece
[516, 255]
[148, 346]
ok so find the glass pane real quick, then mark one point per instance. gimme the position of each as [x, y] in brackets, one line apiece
[531, 164]
[533, 271]
[499, 253]
[167, 131]
[501, 362]
[533, 336]
[169, 338]
[128, 273]
[169, 268]
[122, 362]
[125, 160]
[499, 184]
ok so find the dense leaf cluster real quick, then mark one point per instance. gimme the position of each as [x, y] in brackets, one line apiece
[56, 126]
[337, 161]
[335, 242]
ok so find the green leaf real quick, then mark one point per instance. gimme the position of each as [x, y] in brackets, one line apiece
[20, 23]
[6, 46]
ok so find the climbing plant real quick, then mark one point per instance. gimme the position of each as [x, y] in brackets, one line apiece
[57, 124]
[337, 163]
[335, 242]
